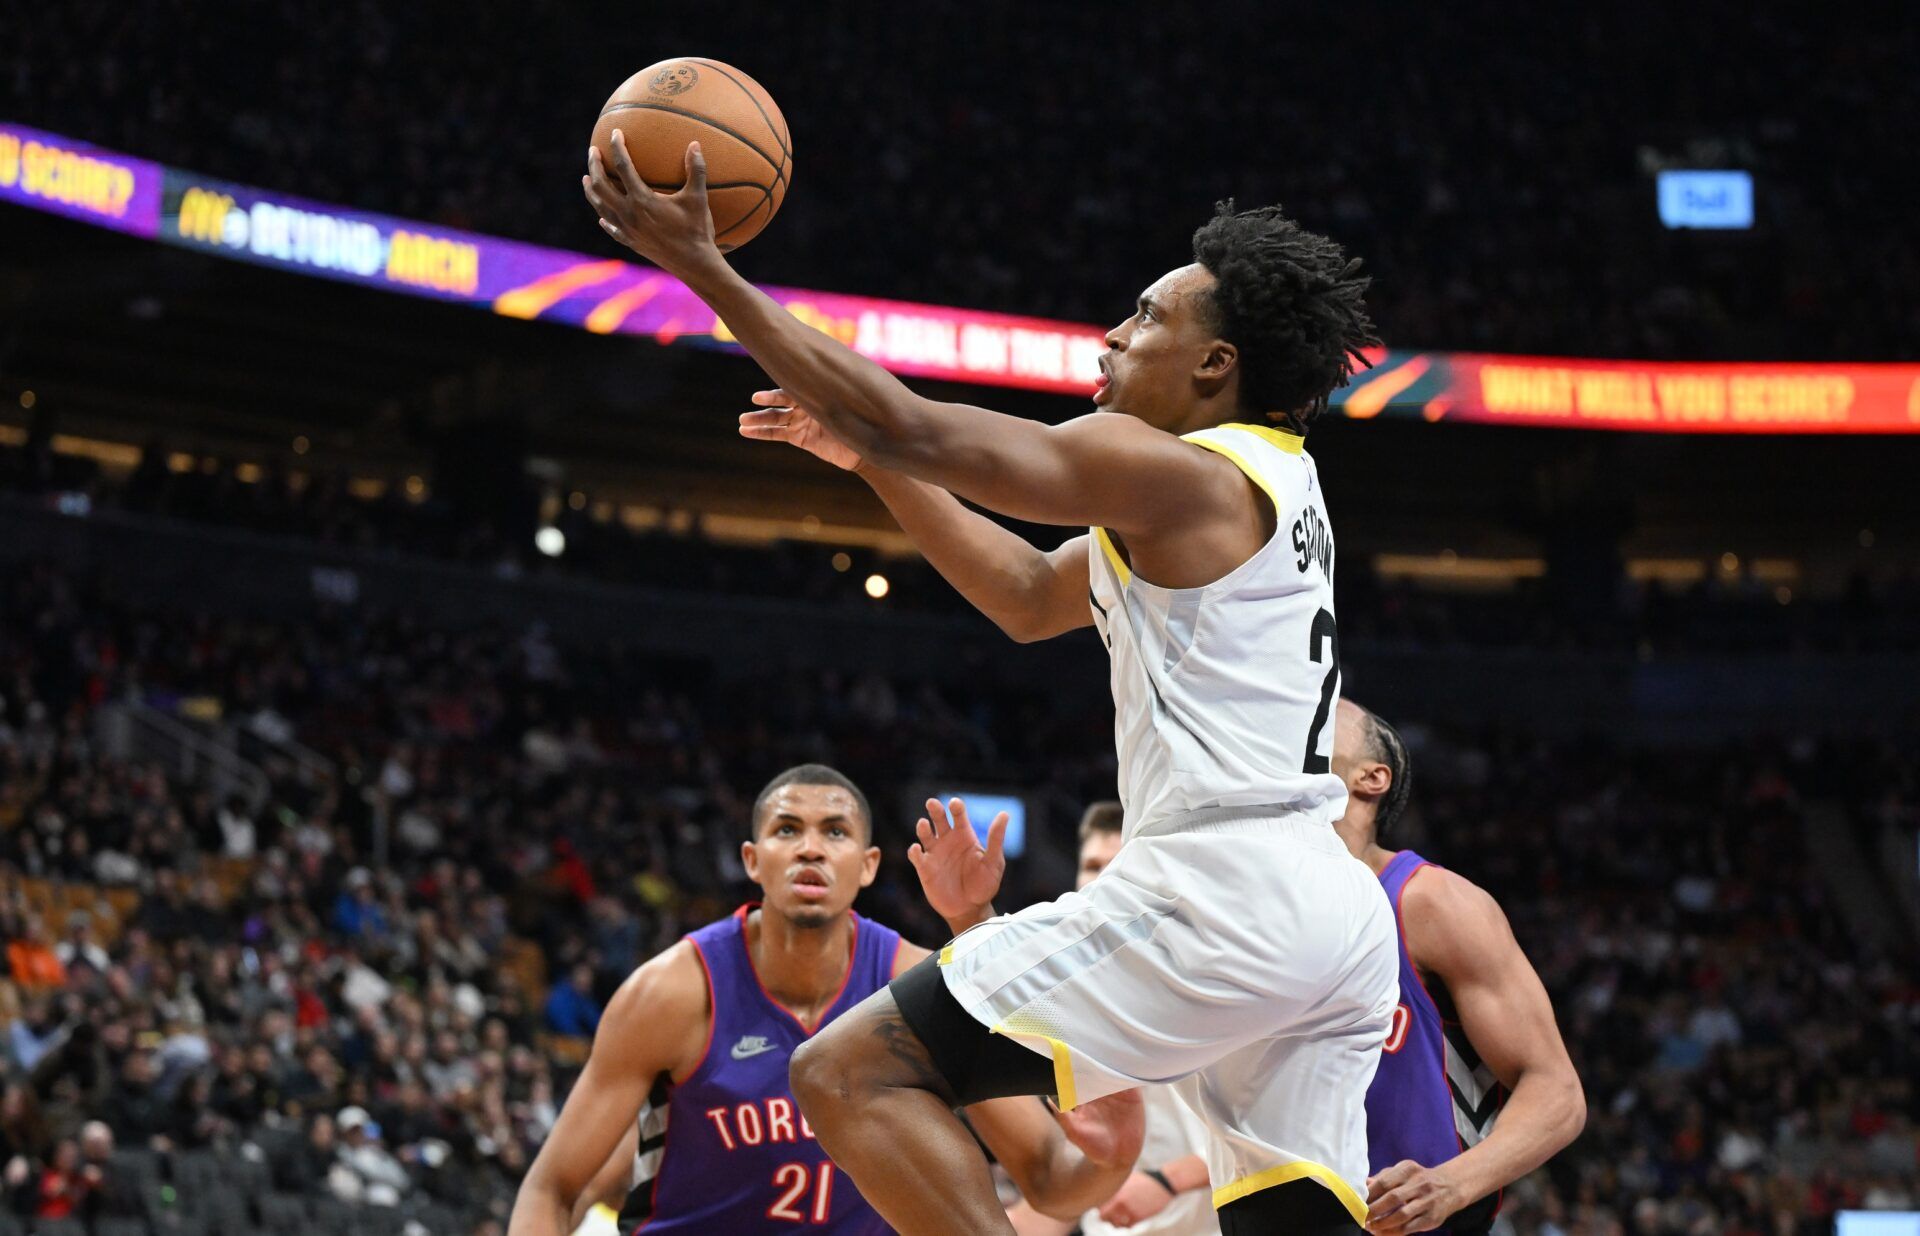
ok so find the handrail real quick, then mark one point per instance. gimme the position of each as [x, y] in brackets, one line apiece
[311, 767]
[131, 729]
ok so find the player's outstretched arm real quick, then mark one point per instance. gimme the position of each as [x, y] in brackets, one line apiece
[1105, 469]
[656, 1023]
[1457, 932]
[1029, 594]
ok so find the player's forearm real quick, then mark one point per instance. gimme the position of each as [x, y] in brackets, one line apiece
[1545, 1112]
[1074, 1184]
[1029, 1222]
[1000, 574]
[1187, 1173]
[862, 404]
[539, 1210]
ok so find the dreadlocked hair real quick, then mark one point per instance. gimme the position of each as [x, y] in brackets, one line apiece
[1292, 302]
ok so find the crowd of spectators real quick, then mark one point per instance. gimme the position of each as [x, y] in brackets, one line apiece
[369, 987]
[1492, 166]
[338, 973]
[1750, 1067]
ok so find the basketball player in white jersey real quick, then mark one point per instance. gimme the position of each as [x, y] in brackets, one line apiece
[1234, 947]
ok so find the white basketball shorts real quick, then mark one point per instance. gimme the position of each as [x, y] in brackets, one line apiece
[1247, 959]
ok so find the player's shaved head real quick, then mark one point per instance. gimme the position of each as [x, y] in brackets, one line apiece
[809, 774]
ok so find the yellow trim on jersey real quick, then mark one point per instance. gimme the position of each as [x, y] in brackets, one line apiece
[1064, 1092]
[1291, 443]
[1288, 1172]
[1253, 473]
[1120, 567]
[946, 955]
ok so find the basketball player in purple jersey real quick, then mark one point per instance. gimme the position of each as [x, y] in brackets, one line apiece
[1474, 1035]
[686, 1097]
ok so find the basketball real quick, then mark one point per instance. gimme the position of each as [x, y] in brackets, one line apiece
[739, 127]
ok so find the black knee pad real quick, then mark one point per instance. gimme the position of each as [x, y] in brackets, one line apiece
[976, 1063]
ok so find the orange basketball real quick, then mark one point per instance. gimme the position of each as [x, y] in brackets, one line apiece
[740, 130]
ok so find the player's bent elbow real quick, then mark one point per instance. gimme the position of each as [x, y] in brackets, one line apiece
[1033, 618]
[1022, 630]
[1576, 1117]
[1565, 1105]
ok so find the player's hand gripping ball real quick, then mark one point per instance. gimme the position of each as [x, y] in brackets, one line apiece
[658, 113]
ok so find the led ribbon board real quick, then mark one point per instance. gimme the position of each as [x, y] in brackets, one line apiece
[607, 295]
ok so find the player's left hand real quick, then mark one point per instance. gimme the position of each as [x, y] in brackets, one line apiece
[958, 876]
[1138, 1200]
[1108, 1131]
[674, 231]
[1408, 1198]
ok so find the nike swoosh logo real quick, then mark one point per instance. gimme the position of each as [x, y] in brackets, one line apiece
[746, 1049]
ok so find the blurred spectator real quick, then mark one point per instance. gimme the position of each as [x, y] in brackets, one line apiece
[357, 914]
[80, 948]
[31, 958]
[63, 1185]
[23, 1132]
[303, 1166]
[110, 1195]
[571, 1009]
[35, 1032]
[363, 1171]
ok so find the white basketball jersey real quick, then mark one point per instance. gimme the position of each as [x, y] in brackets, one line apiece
[1224, 696]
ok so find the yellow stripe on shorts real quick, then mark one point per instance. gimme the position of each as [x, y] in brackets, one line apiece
[1287, 1173]
[1064, 1092]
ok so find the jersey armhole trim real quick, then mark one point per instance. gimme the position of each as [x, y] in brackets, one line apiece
[713, 1014]
[1120, 566]
[1240, 462]
[1286, 1173]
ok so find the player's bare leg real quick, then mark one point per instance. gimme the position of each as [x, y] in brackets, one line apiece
[881, 1109]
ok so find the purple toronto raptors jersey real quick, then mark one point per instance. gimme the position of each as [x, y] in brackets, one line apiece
[727, 1150]
[1432, 1097]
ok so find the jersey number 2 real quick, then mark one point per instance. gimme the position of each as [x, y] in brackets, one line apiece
[793, 1178]
[1324, 631]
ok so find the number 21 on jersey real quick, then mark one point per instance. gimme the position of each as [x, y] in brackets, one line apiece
[805, 1196]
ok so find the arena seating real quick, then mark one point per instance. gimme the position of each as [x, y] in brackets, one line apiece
[1742, 1045]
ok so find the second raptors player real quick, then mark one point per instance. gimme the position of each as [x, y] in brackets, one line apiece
[685, 1101]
